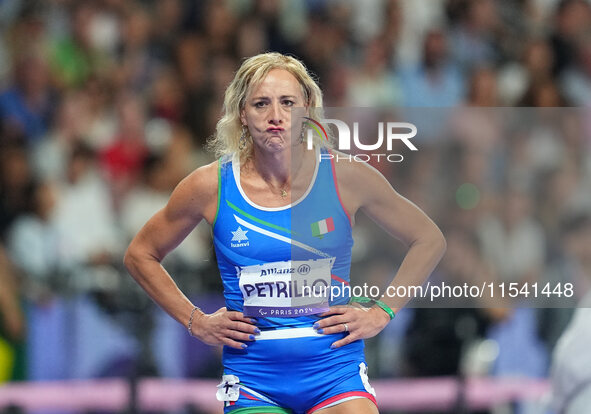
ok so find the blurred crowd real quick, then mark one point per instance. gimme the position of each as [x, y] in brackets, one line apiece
[105, 105]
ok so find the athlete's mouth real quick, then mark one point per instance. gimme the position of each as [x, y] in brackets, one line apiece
[275, 129]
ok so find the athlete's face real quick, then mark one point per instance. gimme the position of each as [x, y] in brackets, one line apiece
[267, 111]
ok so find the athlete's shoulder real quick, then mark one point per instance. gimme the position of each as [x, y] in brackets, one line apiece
[204, 180]
[197, 192]
[352, 171]
[357, 181]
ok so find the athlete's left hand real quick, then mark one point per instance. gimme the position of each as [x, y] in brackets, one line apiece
[360, 322]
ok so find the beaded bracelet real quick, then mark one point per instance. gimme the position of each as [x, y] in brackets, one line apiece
[190, 324]
[382, 305]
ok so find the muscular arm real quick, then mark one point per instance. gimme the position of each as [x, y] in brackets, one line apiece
[192, 200]
[363, 187]
[406, 222]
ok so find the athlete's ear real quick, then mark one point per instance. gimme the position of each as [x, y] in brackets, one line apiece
[243, 117]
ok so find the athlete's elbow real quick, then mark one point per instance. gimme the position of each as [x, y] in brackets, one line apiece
[138, 259]
[133, 258]
[433, 241]
[439, 243]
[129, 259]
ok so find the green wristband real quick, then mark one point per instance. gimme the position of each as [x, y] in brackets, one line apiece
[360, 299]
[386, 309]
[382, 305]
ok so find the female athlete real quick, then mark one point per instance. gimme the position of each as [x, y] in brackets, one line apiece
[282, 216]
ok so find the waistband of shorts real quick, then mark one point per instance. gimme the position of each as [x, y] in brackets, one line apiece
[287, 333]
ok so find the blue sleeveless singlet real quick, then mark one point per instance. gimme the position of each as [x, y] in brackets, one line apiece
[297, 372]
[314, 227]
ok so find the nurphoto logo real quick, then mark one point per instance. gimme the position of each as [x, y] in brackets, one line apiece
[388, 132]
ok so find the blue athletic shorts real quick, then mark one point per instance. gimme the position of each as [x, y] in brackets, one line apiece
[280, 373]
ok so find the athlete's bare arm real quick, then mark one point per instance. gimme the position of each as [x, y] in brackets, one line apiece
[362, 187]
[194, 199]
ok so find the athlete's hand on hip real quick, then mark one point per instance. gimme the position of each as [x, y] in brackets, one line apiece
[359, 322]
[225, 328]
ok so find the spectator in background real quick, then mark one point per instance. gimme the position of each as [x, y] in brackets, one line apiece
[24, 27]
[105, 28]
[190, 54]
[572, 18]
[571, 363]
[482, 88]
[74, 58]
[569, 262]
[473, 37]
[337, 86]
[407, 21]
[543, 94]
[101, 124]
[136, 63]
[576, 78]
[436, 81]
[535, 67]
[86, 224]
[122, 160]
[512, 240]
[34, 244]
[50, 155]
[514, 243]
[166, 34]
[221, 71]
[321, 56]
[560, 194]
[26, 106]
[15, 178]
[218, 25]
[251, 37]
[374, 84]
[478, 129]
[167, 99]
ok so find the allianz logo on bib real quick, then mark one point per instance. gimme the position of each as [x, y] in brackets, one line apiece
[239, 238]
[303, 269]
[277, 271]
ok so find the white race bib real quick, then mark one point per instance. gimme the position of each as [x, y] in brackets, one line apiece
[286, 289]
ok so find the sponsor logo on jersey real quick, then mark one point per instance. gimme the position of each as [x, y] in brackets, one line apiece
[303, 269]
[276, 271]
[239, 238]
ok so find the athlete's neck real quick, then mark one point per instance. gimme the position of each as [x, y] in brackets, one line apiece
[278, 168]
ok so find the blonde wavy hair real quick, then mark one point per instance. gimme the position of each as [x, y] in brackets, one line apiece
[251, 73]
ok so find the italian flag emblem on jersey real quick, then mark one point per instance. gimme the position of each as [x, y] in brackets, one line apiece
[320, 228]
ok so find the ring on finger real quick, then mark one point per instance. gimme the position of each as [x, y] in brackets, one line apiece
[346, 327]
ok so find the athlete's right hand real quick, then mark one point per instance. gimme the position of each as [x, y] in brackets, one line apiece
[225, 328]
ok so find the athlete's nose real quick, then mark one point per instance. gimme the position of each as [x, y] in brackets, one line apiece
[275, 115]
